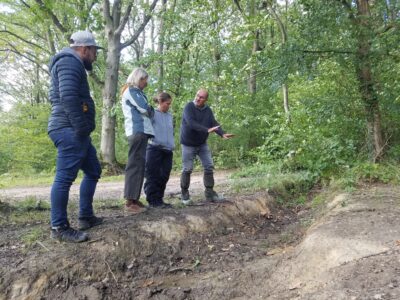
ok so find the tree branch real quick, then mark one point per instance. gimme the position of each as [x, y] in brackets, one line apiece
[125, 18]
[25, 4]
[278, 20]
[327, 51]
[238, 5]
[89, 8]
[387, 28]
[106, 11]
[24, 40]
[96, 79]
[347, 6]
[14, 50]
[56, 22]
[116, 11]
[141, 27]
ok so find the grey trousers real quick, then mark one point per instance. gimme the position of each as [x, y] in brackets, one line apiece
[203, 152]
[134, 171]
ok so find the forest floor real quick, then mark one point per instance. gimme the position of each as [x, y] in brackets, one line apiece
[247, 247]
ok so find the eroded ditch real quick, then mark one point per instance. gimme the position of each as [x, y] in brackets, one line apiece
[161, 254]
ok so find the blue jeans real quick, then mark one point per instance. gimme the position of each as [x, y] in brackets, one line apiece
[73, 153]
[203, 152]
[158, 169]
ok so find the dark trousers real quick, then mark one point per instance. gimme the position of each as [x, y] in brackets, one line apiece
[74, 153]
[158, 169]
[134, 171]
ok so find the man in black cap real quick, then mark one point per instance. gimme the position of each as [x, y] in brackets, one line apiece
[71, 121]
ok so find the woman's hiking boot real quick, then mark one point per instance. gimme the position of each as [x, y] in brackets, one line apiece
[134, 207]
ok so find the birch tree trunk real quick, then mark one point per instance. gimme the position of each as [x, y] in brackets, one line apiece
[285, 89]
[252, 81]
[160, 47]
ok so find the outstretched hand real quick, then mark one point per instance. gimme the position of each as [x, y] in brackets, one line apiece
[227, 136]
[213, 129]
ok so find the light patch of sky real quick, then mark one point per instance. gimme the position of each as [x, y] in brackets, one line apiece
[6, 101]
[4, 8]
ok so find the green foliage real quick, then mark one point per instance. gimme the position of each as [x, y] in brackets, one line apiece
[288, 188]
[364, 172]
[26, 147]
[209, 44]
[259, 170]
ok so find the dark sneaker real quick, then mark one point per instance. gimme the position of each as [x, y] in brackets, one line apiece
[162, 205]
[68, 234]
[185, 197]
[89, 222]
[212, 196]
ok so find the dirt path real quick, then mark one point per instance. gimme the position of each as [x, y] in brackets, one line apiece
[110, 190]
[245, 248]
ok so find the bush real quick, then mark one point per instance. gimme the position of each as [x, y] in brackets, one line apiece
[288, 188]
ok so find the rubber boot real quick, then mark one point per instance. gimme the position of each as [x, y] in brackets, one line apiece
[209, 192]
[185, 183]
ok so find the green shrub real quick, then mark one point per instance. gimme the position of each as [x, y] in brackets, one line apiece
[288, 188]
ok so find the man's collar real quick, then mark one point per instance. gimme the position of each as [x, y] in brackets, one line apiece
[198, 107]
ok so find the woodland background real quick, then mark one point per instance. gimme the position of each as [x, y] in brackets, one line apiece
[306, 85]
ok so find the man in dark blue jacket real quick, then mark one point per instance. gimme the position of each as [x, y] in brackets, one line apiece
[197, 122]
[71, 121]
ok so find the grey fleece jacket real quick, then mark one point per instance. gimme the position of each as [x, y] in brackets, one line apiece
[163, 131]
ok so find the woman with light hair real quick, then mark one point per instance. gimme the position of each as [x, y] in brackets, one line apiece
[138, 128]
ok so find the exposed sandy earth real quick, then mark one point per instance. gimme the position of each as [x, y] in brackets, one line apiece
[244, 248]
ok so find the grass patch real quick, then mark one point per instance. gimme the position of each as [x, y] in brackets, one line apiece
[32, 204]
[109, 204]
[30, 217]
[28, 211]
[288, 188]
[10, 180]
[34, 235]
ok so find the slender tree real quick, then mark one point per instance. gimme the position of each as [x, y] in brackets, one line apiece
[365, 33]
[116, 20]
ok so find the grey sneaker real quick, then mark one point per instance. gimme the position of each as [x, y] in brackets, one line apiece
[212, 196]
[89, 222]
[185, 197]
[68, 234]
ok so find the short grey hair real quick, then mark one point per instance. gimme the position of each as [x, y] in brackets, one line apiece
[135, 77]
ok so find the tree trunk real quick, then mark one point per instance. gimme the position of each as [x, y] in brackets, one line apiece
[115, 24]
[252, 81]
[109, 98]
[366, 83]
[285, 89]
[217, 49]
[285, 92]
[160, 48]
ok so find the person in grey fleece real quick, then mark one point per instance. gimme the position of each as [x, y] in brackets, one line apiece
[159, 153]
